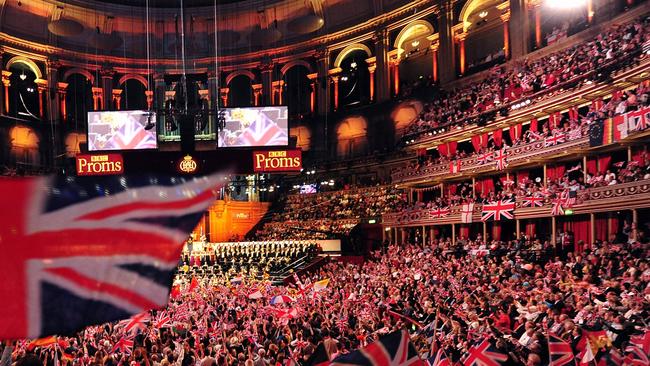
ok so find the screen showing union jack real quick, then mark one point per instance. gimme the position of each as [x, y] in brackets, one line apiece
[121, 130]
[255, 126]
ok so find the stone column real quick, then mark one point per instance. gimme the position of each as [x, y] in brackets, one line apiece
[53, 99]
[257, 94]
[97, 98]
[396, 75]
[460, 38]
[61, 92]
[322, 95]
[117, 98]
[335, 87]
[435, 45]
[267, 81]
[224, 96]
[277, 92]
[447, 70]
[382, 63]
[149, 95]
[159, 90]
[519, 33]
[505, 19]
[312, 95]
[371, 69]
[41, 85]
[107, 88]
[5, 94]
[536, 7]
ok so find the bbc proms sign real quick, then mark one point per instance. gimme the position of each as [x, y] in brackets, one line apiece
[101, 164]
[277, 161]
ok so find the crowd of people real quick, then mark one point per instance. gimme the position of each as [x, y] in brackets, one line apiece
[321, 215]
[609, 51]
[449, 298]
[253, 259]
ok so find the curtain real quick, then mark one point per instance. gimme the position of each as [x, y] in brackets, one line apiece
[485, 138]
[556, 172]
[515, 132]
[521, 176]
[638, 155]
[534, 125]
[464, 230]
[443, 150]
[421, 152]
[498, 137]
[573, 114]
[612, 226]
[496, 230]
[452, 147]
[592, 166]
[476, 142]
[452, 189]
[601, 228]
[603, 162]
[487, 185]
[530, 228]
[580, 227]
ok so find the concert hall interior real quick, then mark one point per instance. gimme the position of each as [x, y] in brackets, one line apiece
[316, 182]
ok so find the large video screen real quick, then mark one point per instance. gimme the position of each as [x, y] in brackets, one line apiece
[121, 130]
[255, 126]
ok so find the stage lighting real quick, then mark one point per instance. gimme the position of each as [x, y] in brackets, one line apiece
[564, 4]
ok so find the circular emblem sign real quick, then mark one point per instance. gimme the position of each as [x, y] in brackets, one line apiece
[187, 165]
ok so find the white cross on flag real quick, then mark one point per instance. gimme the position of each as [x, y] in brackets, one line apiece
[466, 213]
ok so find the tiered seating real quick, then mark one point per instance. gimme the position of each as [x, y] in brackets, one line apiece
[252, 259]
[533, 80]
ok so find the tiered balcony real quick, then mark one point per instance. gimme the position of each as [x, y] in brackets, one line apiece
[530, 153]
[624, 196]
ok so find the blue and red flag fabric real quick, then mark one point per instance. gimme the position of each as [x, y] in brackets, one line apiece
[394, 349]
[560, 352]
[79, 251]
[485, 354]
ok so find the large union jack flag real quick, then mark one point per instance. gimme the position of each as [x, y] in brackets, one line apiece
[560, 352]
[131, 135]
[498, 209]
[484, 355]
[394, 349]
[263, 132]
[82, 251]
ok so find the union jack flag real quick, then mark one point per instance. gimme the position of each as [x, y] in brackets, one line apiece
[263, 132]
[439, 359]
[124, 345]
[532, 201]
[557, 209]
[501, 157]
[642, 341]
[82, 251]
[439, 212]
[394, 349]
[485, 157]
[131, 135]
[560, 352]
[554, 140]
[498, 209]
[484, 355]
[162, 320]
[636, 357]
[135, 323]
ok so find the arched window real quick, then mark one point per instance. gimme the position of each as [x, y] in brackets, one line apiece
[133, 96]
[23, 93]
[297, 91]
[354, 85]
[241, 91]
[79, 101]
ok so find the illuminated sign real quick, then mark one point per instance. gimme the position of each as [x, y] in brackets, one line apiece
[241, 216]
[568, 212]
[277, 161]
[105, 164]
[187, 165]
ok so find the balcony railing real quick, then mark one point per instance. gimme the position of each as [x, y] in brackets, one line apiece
[518, 155]
[624, 196]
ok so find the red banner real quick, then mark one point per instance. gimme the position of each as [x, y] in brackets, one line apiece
[101, 164]
[277, 161]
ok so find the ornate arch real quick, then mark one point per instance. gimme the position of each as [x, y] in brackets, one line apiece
[470, 7]
[79, 71]
[137, 77]
[347, 50]
[236, 73]
[415, 27]
[293, 63]
[27, 62]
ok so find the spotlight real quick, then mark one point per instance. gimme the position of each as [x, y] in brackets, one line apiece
[483, 14]
[415, 43]
[23, 76]
[353, 65]
[344, 78]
